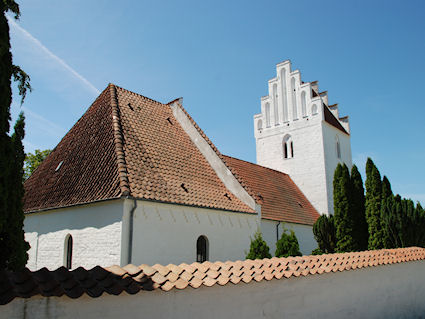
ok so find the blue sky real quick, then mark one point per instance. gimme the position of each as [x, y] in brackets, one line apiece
[218, 56]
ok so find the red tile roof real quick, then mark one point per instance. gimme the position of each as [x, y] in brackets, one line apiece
[127, 144]
[282, 200]
[332, 120]
[132, 279]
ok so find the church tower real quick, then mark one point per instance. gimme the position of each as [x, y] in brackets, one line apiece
[300, 134]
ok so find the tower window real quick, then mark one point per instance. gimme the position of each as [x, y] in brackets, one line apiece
[68, 251]
[338, 148]
[314, 109]
[288, 147]
[202, 249]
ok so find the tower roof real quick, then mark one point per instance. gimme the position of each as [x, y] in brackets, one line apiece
[127, 145]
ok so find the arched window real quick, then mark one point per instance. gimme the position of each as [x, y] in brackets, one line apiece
[267, 114]
[202, 249]
[259, 125]
[68, 251]
[314, 109]
[288, 147]
[338, 148]
[275, 106]
[294, 100]
[303, 104]
[284, 97]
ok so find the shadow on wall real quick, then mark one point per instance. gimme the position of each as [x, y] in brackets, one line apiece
[96, 215]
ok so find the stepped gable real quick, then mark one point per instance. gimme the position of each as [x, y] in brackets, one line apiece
[282, 200]
[127, 145]
[132, 279]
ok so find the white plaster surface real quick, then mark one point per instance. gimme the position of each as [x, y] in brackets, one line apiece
[167, 233]
[95, 229]
[392, 291]
[304, 235]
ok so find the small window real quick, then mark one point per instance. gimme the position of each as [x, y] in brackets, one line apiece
[201, 249]
[338, 148]
[260, 125]
[314, 109]
[288, 147]
[68, 251]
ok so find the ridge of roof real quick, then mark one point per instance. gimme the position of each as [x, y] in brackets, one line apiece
[215, 149]
[133, 279]
[119, 141]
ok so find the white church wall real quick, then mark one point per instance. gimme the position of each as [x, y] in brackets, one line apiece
[330, 137]
[95, 230]
[391, 291]
[307, 167]
[304, 235]
[167, 233]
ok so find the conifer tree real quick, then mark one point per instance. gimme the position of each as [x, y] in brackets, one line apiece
[287, 245]
[325, 234]
[373, 205]
[258, 248]
[12, 245]
[387, 218]
[344, 223]
[360, 230]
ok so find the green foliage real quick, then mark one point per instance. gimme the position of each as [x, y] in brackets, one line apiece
[13, 247]
[360, 230]
[344, 222]
[33, 160]
[325, 234]
[258, 248]
[373, 206]
[317, 251]
[287, 245]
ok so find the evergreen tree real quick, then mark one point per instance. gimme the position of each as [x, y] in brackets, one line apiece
[258, 248]
[325, 234]
[287, 245]
[360, 230]
[344, 222]
[12, 246]
[386, 218]
[373, 205]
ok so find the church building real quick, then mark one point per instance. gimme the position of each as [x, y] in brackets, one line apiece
[137, 181]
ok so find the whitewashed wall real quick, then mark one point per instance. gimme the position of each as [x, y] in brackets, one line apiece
[392, 291]
[304, 235]
[167, 233]
[96, 232]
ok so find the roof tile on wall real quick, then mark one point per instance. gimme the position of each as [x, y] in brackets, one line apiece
[132, 279]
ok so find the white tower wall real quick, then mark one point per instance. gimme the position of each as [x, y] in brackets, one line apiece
[294, 113]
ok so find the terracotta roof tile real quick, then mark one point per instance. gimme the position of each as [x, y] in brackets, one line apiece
[114, 280]
[127, 144]
[282, 199]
